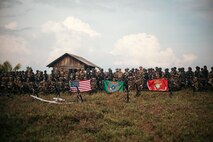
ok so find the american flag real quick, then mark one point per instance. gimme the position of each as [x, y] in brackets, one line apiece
[83, 86]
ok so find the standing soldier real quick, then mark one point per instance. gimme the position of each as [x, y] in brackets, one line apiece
[126, 73]
[145, 78]
[120, 75]
[101, 77]
[115, 75]
[10, 84]
[82, 74]
[196, 80]
[211, 78]
[189, 77]
[131, 80]
[45, 76]
[94, 84]
[138, 82]
[88, 75]
[77, 74]
[94, 81]
[109, 75]
[167, 75]
[182, 77]
[175, 79]
[205, 74]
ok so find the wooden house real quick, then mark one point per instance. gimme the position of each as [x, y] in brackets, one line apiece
[69, 62]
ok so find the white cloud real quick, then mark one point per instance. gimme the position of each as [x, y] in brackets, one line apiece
[52, 27]
[11, 26]
[70, 24]
[68, 35]
[76, 25]
[144, 50]
[14, 49]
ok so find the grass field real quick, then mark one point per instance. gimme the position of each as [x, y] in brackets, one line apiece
[152, 116]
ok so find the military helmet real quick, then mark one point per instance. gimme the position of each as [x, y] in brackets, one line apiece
[126, 69]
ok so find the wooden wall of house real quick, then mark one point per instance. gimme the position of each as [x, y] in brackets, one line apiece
[69, 63]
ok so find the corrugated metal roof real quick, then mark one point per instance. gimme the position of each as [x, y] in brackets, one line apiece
[81, 59]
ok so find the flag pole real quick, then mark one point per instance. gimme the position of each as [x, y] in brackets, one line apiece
[79, 95]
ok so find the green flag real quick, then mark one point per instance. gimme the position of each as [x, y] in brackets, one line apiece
[112, 86]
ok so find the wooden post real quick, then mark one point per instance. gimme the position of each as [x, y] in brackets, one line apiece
[127, 91]
[79, 95]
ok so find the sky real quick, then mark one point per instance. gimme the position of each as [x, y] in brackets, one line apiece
[109, 33]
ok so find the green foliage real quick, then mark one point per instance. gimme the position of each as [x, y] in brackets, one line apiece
[7, 67]
[17, 67]
[152, 116]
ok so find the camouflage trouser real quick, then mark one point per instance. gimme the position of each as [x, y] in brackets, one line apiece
[211, 82]
[100, 85]
[131, 85]
[196, 85]
[175, 84]
[138, 86]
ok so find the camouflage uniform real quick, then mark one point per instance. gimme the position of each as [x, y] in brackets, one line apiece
[211, 78]
[115, 75]
[101, 77]
[120, 75]
[205, 75]
[109, 75]
[82, 74]
[45, 76]
[131, 80]
[88, 75]
[189, 77]
[77, 74]
[182, 77]
[94, 83]
[138, 82]
[175, 79]
[145, 78]
[196, 81]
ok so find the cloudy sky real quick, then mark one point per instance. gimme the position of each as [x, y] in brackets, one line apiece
[110, 33]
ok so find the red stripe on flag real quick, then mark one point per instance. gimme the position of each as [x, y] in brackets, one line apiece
[83, 86]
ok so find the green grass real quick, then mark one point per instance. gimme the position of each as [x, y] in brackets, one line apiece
[153, 116]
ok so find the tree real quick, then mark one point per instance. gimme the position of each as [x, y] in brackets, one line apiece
[7, 67]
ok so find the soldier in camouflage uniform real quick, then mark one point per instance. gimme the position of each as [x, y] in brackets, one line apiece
[100, 79]
[115, 75]
[82, 74]
[77, 74]
[109, 75]
[189, 77]
[10, 85]
[94, 81]
[145, 78]
[196, 81]
[211, 78]
[45, 76]
[88, 74]
[138, 81]
[131, 79]
[175, 79]
[120, 75]
[167, 75]
[205, 75]
[182, 77]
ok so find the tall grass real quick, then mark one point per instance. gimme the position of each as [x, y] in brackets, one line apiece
[152, 116]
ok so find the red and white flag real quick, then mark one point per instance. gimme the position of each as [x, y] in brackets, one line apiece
[83, 86]
[158, 84]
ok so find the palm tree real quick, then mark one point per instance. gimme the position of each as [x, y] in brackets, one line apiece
[7, 67]
[17, 67]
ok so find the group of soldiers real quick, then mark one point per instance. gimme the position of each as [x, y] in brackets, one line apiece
[27, 82]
